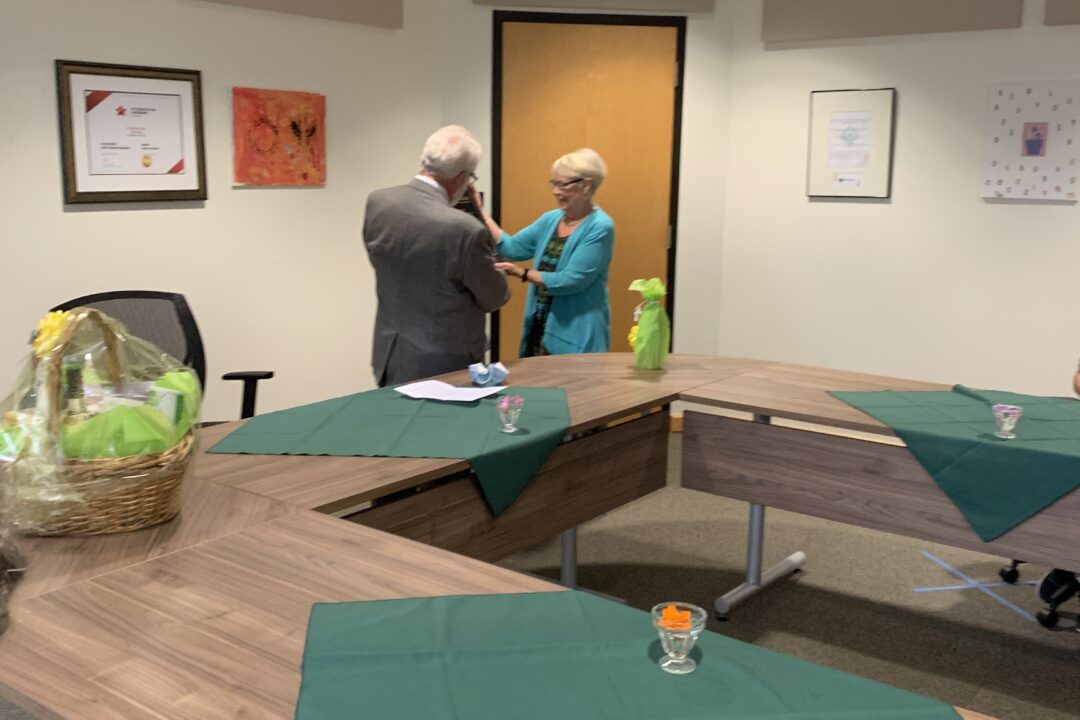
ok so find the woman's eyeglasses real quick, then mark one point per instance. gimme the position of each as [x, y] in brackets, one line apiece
[563, 184]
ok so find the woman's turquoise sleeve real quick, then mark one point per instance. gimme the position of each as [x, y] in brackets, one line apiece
[521, 245]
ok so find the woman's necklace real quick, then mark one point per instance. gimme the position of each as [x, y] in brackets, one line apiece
[571, 223]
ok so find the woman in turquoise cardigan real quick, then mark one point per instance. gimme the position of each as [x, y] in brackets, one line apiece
[567, 310]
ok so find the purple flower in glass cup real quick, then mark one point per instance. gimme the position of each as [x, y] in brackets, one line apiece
[509, 407]
[1006, 417]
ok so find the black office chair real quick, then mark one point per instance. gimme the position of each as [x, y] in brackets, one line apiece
[1055, 589]
[165, 319]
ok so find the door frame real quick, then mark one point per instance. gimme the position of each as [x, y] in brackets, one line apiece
[521, 16]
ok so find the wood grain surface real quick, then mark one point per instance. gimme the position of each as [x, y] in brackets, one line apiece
[217, 630]
[208, 511]
[798, 392]
[868, 484]
[584, 479]
[600, 388]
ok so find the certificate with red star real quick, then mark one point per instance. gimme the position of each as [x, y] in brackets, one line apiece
[133, 133]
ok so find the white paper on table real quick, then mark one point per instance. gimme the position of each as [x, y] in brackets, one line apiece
[437, 390]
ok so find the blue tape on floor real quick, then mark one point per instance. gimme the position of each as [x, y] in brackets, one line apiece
[969, 587]
[971, 583]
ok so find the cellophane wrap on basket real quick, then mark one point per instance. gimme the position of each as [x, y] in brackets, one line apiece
[12, 560]
[99, 430]
[651, 335]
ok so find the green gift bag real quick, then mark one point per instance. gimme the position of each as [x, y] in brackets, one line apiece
[651, 336]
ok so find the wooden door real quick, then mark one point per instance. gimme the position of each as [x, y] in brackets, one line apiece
[611, 87]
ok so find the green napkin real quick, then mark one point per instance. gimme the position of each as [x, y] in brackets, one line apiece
[386, 423]
[996, 484]
[564, 655]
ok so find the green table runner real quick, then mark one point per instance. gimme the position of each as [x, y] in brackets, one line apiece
[996, 484]
[384, 422]
[559, 656]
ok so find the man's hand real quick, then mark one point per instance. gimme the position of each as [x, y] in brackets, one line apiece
[474, 195]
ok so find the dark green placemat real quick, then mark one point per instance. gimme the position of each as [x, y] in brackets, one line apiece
[384, 422]
[559, 655]
[996, 484]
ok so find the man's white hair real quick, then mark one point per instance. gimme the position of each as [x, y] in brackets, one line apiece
[449, 151]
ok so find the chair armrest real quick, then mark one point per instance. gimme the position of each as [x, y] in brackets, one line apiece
[251, 379]
[249, 375]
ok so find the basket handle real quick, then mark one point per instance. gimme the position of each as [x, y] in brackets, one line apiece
[56, 357]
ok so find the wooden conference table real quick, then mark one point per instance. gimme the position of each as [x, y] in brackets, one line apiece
[871, 481]
[204, 617]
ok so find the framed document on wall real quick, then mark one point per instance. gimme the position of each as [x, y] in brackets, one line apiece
[130, 133]
[851, 143]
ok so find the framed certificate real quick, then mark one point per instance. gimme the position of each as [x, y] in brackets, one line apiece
[130, 133]
[851, 143]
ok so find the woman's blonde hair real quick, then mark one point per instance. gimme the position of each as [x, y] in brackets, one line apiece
[585, 163]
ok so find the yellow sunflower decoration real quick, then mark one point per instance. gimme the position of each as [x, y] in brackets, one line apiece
[48, 332]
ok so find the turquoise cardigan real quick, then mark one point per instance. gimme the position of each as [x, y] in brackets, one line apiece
[579, 320]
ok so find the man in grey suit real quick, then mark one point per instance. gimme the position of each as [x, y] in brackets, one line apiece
[435, 274]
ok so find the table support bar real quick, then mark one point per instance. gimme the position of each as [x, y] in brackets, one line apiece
[569, 558]
[755, 550]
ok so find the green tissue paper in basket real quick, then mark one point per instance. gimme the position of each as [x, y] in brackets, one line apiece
[119, 432]
[651, 336]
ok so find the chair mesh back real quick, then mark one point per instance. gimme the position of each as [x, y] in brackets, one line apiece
[152, 320]
[163, 319]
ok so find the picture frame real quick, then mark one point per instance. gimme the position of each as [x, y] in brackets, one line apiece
[279, 138]
[851, 140]
[1032, 145]
[130, 133]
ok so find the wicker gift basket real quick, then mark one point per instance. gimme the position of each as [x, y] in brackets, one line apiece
[99, 432]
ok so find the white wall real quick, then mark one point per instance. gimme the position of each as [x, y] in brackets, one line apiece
[278, 279]
[936, 284]
[930, 285]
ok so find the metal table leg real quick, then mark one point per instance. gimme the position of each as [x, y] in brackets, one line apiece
[755, 548]
[569, 558]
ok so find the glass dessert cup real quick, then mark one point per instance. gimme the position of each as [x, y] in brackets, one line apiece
[1006, 417]
[679, 625]
[509, 407]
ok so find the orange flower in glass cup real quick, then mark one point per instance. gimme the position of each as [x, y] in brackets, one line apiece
[672, 618]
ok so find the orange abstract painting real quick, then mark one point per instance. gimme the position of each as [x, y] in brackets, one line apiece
[279, 137]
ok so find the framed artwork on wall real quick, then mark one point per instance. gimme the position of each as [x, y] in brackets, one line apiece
[279, 138]
[851, 143]
[1032, 138]
[130, 133]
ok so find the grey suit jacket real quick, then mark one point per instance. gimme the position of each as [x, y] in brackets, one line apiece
[435, 279]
